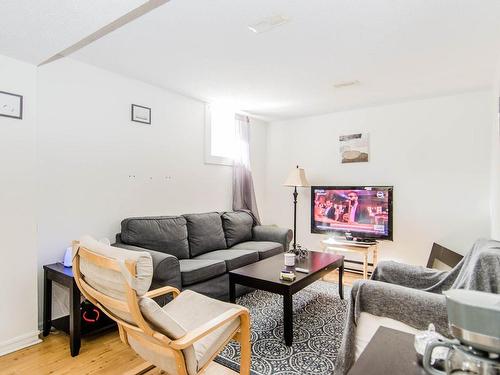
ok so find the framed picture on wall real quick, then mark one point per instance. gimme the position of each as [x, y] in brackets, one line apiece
[141, 114]
[354, 148]
[11, 105]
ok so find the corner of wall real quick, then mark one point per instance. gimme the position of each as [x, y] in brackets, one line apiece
[495, 159]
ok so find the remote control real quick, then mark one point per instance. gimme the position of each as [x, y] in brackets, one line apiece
[301, 270]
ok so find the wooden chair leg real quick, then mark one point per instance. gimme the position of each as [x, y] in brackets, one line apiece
[123, 335]
[140, 369]
[365, 267]
[375, 257]
[245, 344]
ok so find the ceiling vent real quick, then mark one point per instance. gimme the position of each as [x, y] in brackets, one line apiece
[340, 85]
[268, 24]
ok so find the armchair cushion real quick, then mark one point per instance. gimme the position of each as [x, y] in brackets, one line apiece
[165, 362]
[160, 320]
[111, 282]
[187, 312]
[166, 234]
[197, 270]
[205, 233]
[191, 310]
[233, 258]
[237, 227]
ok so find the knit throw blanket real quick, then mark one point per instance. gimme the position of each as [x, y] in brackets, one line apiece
[413, 294]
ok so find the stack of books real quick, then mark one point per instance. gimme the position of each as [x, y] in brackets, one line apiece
[287, 275]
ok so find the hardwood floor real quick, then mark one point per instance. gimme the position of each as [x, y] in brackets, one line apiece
[104, 354]
[349, 277]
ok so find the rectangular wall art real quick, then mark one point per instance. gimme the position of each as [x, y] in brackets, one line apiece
[141, 114]
[11, 105]
[354, 148]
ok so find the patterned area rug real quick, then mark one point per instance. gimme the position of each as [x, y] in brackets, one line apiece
[318, 323]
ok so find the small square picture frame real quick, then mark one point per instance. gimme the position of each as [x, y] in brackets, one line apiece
[141, 114]
[11, 105]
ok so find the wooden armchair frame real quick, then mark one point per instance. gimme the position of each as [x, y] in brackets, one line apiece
[144, 333]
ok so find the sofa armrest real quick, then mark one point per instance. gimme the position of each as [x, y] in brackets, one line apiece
[166, 269]
[273, 234]
[413, 307]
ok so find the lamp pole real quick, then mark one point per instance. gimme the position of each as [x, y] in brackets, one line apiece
[296, 178]
[295, 194]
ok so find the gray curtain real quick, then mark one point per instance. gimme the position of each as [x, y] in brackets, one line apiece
[243, 190]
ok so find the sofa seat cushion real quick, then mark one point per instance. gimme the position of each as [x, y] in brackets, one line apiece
[233, 258]
[205, 233]
[237, 227]
[366, 326]
[197, 270]
[265, 249]
[166, 234]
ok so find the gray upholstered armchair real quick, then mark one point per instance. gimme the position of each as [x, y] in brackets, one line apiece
[408, 298]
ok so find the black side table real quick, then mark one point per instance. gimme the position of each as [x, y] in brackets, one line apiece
[71, 323]
[388, 352]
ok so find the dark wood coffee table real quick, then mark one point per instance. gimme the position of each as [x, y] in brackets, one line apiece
[265, 275]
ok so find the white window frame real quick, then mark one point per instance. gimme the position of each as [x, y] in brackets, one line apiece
[209, 158]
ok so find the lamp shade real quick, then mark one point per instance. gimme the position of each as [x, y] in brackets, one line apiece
[297, 177]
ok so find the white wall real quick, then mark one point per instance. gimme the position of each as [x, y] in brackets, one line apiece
[18, 291]
[495, 164]
[495, 167]
[89, 148]
[436, 153]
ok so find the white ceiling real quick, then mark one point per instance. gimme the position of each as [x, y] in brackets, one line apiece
[35, 30]
[397, 49]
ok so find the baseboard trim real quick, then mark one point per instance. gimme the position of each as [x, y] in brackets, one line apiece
[19, 342]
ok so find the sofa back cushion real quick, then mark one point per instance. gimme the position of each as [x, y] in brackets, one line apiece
[205, 233]
[237, 227]
[167, 234]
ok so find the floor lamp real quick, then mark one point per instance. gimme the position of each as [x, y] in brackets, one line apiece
[296, 178]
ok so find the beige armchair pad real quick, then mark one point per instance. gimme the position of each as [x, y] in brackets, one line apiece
[185, 313]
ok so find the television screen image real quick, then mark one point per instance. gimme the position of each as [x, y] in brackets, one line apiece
[363, 211]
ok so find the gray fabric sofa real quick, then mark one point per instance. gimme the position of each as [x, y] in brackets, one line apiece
[196, 251]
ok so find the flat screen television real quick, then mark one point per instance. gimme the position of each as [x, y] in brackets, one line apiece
[363, 212]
